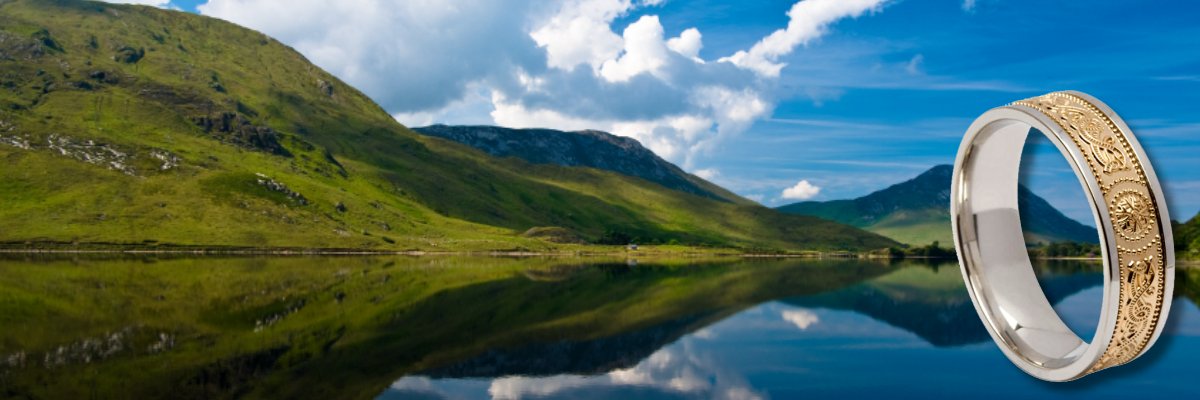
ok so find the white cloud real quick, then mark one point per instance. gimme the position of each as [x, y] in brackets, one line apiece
[802, 190]
[674, 370]
[802, 318]
[580, 34]
[410, 56]
[155, 3]
[645, 52]
[528, 63]
[968, 5]
[688, 44]
[707, 173]
[808, 20]
[671, 137]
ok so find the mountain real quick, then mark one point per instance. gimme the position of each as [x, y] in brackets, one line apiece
[131, 125]
[1187, 238]
[917, 212]
[931, 302]
[594, 149]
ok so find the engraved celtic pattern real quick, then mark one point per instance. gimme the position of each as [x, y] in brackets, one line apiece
[1104, 146]
[1089, 129]
[1126, 191]
[1141, 274]
[1132, 214]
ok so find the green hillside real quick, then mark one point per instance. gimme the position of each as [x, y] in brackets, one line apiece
[134, 125]
[589, 148]
[1187, 239]
[917, 212]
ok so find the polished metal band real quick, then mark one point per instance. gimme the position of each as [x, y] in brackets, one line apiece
[1130, 214]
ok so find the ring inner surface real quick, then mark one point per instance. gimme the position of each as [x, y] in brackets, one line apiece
[997, 260]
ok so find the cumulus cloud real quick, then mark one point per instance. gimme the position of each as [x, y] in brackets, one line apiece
[808, 20]
[802, 190]
[527, 63]
[579, 33]
[801, 318]
[645, 52]
[688, 44]
[410, 56]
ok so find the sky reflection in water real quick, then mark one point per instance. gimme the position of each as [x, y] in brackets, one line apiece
[492, 327]
[838, 345]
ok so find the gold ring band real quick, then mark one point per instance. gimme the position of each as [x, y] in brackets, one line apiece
[1141, 250]
[1133, 225]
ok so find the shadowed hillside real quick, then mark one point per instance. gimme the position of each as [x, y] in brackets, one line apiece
[595, 149]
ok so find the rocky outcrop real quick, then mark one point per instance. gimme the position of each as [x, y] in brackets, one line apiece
[593, 149]
[106, 77]
[236, 129]
[129, 55]
[124, 159]
[326, 87]
[16, 47]
[92, 152]
[43, 36]
[276, 186]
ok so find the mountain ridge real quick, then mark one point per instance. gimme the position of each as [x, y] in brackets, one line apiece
[586, 148]
[131, 125]
[916, 212]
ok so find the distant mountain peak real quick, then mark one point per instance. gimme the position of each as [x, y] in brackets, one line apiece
[942, 171]
[917, 211]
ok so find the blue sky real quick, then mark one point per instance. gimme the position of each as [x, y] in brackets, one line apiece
[878, 127]
[874, 96]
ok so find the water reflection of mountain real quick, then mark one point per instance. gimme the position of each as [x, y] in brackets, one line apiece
[349, 327]
[1187, 282]
[932, 303]
[928, 301]
[617, 333]
[586, 357]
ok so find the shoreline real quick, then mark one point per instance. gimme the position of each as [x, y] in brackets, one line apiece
[581, 251]
[423, 253]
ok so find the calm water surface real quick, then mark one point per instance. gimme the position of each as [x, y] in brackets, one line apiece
[466, 328]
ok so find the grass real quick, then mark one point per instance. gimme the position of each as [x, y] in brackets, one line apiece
[398, 190]
[916, 227]
[1187, 239]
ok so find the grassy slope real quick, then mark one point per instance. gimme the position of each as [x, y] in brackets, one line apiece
[917, 227]
[66, 75]
[1187, 239]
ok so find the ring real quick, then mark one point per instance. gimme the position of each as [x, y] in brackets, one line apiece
[1131, 218]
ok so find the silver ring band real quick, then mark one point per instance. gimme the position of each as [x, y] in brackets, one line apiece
[1131, 218]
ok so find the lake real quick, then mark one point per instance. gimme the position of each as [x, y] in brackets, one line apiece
[160, 326]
